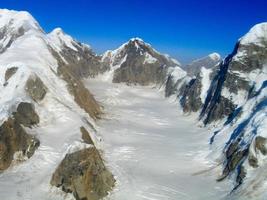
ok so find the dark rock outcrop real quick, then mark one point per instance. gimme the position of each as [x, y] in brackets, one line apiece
[36, 88]
[74, 70]
[84, 174]
[80, 58]
[86, 136]
[26, 115]
[82, 95]
[190, 100]
[261, 144]
[10, 72]
[13, 138]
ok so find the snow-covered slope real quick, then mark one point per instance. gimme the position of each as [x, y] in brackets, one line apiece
[44, 71]
[232, 96]
[15, 24]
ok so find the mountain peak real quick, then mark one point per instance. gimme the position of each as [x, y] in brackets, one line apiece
[57, 31]
[137, 39]
[17, 20]
[214, 56]
[60, 38]
[256, 35]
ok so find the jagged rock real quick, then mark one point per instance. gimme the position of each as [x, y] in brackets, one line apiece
[26, 114]
[171, 87]
[86, 136]
[84, 174]
[81, 94]
[190, 100]
[36, 88]
[240, 175]
[253, 161]
[138, 63]
[13, 138]
[80, 58]
[10, 72]
[232, 162]
[260, 144]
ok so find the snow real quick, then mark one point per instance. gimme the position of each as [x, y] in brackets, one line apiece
[256, 35]
[215, 56]
[205, 83]
[149, 59]
[59, 38]
[59, 133]
[252, 122]
[238, 99]
[177, 73]
[154, 151]
[17, 19]
[137, 39]
[61, 118]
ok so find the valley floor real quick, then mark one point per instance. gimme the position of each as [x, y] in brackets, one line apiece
[155, 152]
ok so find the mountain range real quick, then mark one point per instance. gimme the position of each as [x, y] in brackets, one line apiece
[48, 116]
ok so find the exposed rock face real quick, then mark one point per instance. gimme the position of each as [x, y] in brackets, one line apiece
[216, 106]
[13, 138]
[260, 144]
[86, 136]
[82, 61]
[75, 62]
[208, 62]
[81, 94]
[83, 173]
[238, 93]
[138, 63]
[190, 100]
[26, 115]
[10, 72]
[36, 88]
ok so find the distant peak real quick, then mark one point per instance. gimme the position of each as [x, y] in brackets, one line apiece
[215, 56]
[57, 31]
[137, 39]
[59, 37]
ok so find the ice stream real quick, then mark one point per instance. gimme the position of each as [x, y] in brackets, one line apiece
[155, 152]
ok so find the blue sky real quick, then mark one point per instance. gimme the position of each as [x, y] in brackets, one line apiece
[185, 29]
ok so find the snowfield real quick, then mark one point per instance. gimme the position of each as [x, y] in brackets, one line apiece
[154, 151]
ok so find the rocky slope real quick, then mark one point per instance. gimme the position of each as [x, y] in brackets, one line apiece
[41, 85]
[136, 62]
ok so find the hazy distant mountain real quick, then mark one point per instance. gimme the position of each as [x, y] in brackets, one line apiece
[208, 62]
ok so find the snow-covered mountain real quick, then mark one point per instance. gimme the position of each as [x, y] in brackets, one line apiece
[136, 62]
[48, 116]
[208, 62]
[46, 111]
[232, 96]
